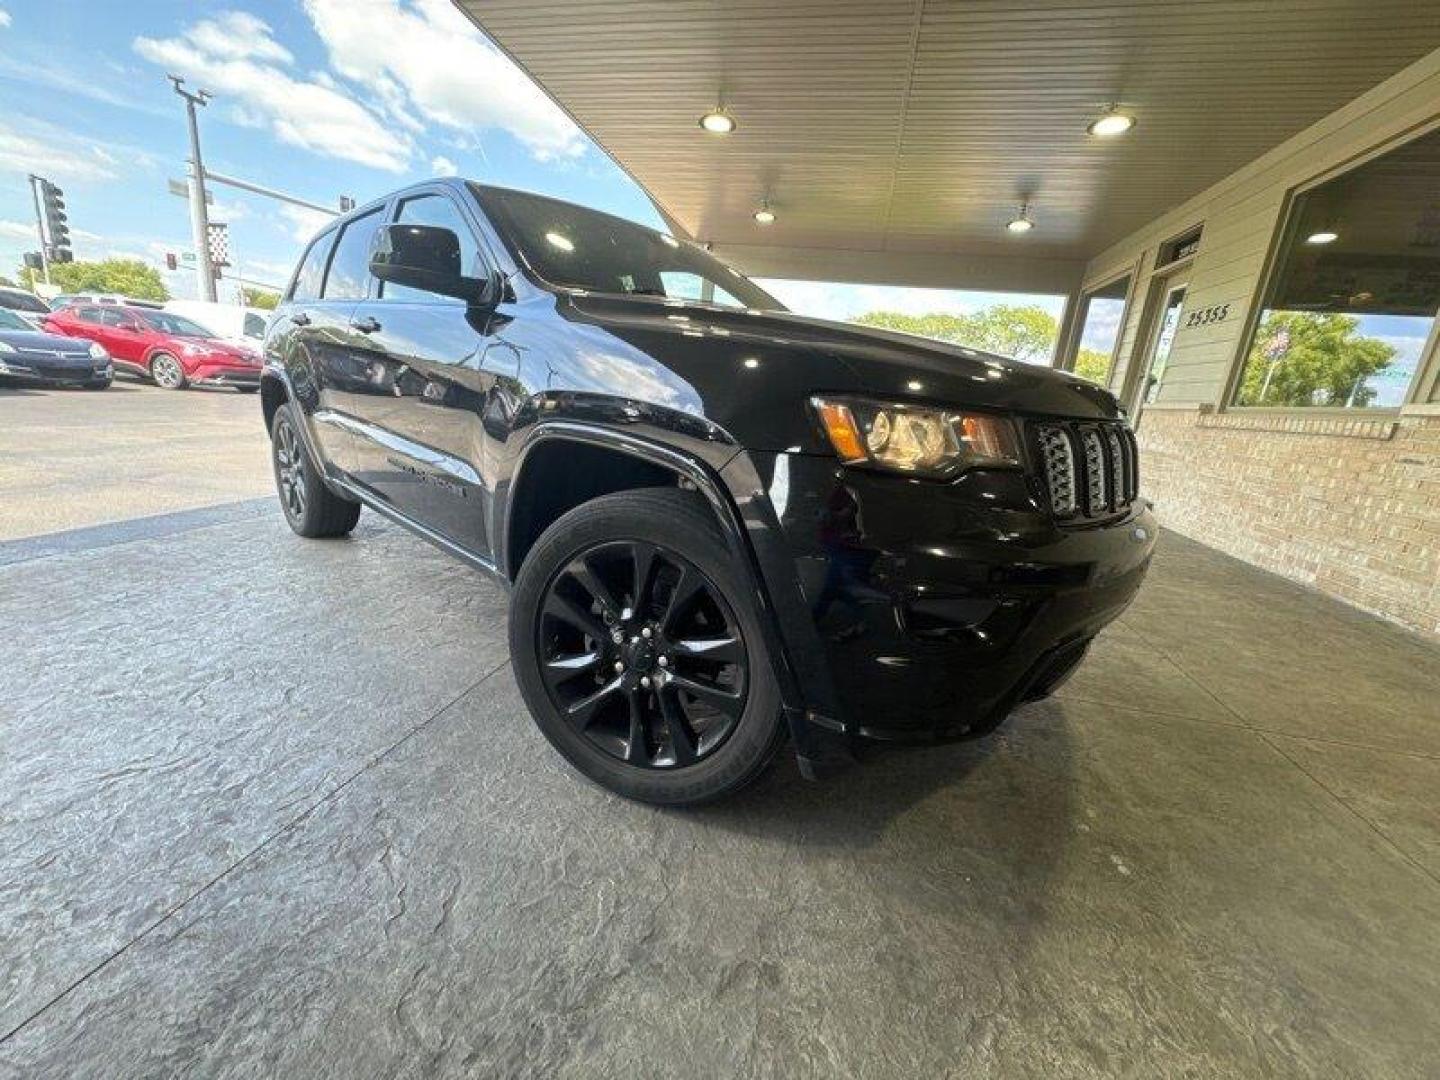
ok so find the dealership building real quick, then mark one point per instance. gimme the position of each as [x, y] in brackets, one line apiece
[1254, 247]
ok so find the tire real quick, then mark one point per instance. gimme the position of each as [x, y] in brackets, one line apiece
[311, 509]
[167, 373]
[642, 751]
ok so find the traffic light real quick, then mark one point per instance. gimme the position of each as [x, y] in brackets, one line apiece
[52, 201]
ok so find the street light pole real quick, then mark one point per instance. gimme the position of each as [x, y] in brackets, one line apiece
[199, 216]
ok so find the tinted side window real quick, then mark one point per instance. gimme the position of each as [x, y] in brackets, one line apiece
[112, 317]
[439, 211]
[312, 269]
[88, 314]
[350, 265]
[254, 325]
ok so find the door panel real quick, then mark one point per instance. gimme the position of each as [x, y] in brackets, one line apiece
[419, 441]
[325, 347]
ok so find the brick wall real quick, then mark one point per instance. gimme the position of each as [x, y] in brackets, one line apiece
[1349, 506]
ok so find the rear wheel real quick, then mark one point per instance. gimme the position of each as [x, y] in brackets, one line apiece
[167, 372]
[311, 509]
[639, 652]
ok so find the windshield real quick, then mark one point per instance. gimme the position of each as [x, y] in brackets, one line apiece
[168, 323]
[570, 246]
[10, 321]
[23, 301]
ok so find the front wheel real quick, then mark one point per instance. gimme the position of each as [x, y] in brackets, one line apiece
[639, 651]
[167, 372]
[311, 509]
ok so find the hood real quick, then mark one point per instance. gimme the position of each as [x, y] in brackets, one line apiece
[753, 372]
[38, 339]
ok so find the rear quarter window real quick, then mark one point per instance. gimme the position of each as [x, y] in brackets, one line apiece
[349, 276]
[311, 274]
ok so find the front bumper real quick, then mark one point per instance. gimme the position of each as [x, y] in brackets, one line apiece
[55, 372]
[923, 611]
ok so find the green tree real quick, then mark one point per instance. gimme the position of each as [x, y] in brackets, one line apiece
[1308, 358]
[1024, 332]
[129, 277]
[263, 299]
[1092, 364]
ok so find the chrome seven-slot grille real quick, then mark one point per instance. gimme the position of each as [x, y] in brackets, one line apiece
[1091, 470]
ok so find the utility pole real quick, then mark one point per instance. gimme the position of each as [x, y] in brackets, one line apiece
[40, 228]
[199, 217]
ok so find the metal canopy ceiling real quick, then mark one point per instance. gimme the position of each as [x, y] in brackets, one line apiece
[920, 126]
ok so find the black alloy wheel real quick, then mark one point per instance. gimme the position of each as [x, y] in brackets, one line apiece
[311, 508]
[637, 643]
[641, 652]
[290, 469]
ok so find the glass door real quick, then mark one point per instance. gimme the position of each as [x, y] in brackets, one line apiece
[1162, 340]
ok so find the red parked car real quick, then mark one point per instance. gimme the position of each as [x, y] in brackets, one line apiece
[173, 351]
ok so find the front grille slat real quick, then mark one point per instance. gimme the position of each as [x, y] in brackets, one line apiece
[1090, 470]
[1058, 457]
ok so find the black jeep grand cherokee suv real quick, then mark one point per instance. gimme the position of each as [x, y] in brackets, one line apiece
[722, 522]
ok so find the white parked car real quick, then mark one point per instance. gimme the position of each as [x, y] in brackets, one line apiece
[226, 320]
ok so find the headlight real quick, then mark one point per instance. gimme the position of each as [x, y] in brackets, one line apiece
[916, 439]
[97, 351]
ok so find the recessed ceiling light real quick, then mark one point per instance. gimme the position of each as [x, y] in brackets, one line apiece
[562, 242]
[765, 216]
[1113, 122]
[1021, 223]
[751, 362]
[718, 122]
[1324, 236]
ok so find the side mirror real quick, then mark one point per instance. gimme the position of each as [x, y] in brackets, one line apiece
[426, 257]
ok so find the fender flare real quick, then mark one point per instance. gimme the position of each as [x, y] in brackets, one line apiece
[709, 483]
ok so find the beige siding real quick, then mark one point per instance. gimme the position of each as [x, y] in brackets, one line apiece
[1349, 504]
[1241, 215]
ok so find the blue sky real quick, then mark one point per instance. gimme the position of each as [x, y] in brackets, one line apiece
[320, 98]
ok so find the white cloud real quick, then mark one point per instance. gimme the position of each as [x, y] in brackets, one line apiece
[18, 230]
[247, 118]
[55, 155]
[4, 18]
[235, 55]
[304, 223]
[443, 166]
[238, 35]
[270, 270]
[432, 58]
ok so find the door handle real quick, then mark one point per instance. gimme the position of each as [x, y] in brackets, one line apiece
[368, 325]
[300, 319]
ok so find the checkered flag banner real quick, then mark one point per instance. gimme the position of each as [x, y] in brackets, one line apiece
[219, 243]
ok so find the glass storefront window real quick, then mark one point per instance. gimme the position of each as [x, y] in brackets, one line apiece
[1101, 320]
[1356, 289]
